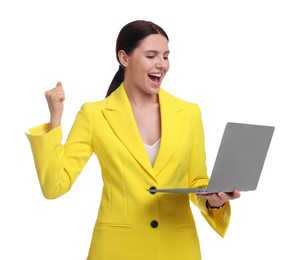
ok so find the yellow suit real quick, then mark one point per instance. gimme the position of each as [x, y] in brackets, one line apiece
[133, 224]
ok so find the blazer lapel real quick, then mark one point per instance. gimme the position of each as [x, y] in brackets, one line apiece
[172, 125]
[118, 113]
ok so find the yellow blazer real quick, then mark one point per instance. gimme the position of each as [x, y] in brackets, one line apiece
[133, 224]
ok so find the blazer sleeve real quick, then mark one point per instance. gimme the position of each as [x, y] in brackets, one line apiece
[59, 165]
[217, 219]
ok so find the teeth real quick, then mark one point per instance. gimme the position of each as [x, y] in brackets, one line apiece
[156, 75]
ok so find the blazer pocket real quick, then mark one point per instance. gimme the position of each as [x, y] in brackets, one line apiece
[116, 226]
[186, 226]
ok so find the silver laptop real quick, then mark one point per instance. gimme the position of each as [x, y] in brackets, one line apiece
[239, 161]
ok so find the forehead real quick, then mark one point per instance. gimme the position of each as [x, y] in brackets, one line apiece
[154, 42]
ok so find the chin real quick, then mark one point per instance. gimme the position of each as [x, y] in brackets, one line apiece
[155, 90]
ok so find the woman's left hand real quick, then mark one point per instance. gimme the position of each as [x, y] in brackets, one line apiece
[217, 200]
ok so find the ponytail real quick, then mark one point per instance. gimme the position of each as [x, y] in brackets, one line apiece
[117, 80]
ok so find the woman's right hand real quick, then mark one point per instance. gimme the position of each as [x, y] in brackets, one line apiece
[55, 98]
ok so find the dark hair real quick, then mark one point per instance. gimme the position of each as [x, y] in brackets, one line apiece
[128, 39]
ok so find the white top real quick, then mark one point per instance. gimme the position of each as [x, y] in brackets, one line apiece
[152, 151]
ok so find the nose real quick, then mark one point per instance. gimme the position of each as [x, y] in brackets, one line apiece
[162, 63]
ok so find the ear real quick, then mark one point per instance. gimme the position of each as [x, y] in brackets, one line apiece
[123, 58]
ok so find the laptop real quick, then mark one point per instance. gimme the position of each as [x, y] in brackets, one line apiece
[239, 161]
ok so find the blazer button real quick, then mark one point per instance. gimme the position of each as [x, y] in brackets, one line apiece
[154, 224]
[150, 190]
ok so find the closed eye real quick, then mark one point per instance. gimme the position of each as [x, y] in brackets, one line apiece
[151, 57]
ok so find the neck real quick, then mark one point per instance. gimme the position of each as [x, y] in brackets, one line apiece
[138, 98]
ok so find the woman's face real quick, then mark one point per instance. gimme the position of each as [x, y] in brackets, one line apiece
[147, 65]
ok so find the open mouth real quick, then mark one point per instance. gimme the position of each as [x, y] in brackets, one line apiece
[155, 77]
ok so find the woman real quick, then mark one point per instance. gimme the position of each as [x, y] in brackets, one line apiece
[143, 137]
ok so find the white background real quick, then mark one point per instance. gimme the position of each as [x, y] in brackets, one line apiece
[239, 60]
